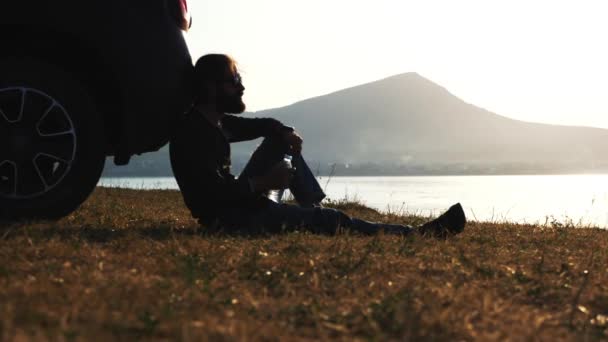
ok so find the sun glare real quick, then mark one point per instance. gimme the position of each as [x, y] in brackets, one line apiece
[537, 61]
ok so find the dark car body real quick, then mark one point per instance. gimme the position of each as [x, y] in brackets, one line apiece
[79, 81]
[130, 54]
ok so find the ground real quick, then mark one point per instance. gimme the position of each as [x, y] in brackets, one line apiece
[133, 264]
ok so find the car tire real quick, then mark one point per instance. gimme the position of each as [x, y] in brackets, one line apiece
[53, 140]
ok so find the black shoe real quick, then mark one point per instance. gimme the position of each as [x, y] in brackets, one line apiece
[451, 222]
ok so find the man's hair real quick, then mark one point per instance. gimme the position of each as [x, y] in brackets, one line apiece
[212, 68]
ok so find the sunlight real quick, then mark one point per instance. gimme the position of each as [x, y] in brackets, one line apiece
[540, 61]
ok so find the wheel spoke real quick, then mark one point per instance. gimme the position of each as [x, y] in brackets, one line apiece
[54, 122]
[56, 134]
[51, 156]
[44, 116]
[50, 169]
[34, 106]
[3, 116]
[28, 180]
[60, 147]
[11, 104]
[39, 171]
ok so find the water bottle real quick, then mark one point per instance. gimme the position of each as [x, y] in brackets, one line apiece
[277, 195]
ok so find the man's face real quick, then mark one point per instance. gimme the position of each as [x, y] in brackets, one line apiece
[230, 94]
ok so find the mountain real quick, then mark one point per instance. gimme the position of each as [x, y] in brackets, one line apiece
[407, 124]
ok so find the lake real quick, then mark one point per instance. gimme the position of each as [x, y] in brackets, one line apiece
[580, 199]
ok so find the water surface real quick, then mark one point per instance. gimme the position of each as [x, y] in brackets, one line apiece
[581, 199]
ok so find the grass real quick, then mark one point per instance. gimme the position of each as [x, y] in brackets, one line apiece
[133, 265]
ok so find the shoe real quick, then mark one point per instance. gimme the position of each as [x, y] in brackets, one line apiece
[451, 222]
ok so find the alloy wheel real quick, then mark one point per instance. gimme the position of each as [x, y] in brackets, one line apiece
[37, 143]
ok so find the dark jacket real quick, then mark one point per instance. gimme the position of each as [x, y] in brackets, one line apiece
[200, 159]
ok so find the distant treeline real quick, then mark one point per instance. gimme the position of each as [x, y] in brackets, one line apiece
[162, 168]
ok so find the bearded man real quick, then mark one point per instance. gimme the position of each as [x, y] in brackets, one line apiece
[200, 158]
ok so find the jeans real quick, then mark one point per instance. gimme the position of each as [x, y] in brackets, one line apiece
[304, 186]
[281, 217]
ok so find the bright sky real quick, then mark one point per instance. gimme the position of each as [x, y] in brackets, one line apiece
[533, 60]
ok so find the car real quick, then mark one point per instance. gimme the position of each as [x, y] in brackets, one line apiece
[80, 81]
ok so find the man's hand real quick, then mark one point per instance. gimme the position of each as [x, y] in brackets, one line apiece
[294, 140]
[278, 177]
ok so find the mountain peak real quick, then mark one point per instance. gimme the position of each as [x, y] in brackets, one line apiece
[409, 82]
[407, 75]
[410, 79]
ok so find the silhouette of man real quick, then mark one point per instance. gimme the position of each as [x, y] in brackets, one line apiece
[200, 158]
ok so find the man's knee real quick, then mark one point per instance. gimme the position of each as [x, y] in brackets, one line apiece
[331, 220]
[273, 144]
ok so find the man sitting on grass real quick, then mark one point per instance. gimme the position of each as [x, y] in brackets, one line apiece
[200, 158]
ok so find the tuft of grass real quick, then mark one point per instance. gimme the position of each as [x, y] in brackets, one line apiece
[133, 264]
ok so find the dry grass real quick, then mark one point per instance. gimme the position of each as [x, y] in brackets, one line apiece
[134, 265]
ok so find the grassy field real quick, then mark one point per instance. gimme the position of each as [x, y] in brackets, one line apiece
[133, 265]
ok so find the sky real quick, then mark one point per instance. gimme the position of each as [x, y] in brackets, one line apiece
[534, 60]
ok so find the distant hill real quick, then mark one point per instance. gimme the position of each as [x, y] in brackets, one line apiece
[407, 124]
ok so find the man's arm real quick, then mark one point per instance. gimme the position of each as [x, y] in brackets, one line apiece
[242, 129]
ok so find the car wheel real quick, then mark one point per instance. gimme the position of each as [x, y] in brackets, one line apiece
[51, 141]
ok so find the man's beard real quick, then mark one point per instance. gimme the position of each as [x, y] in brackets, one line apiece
[231, 104]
